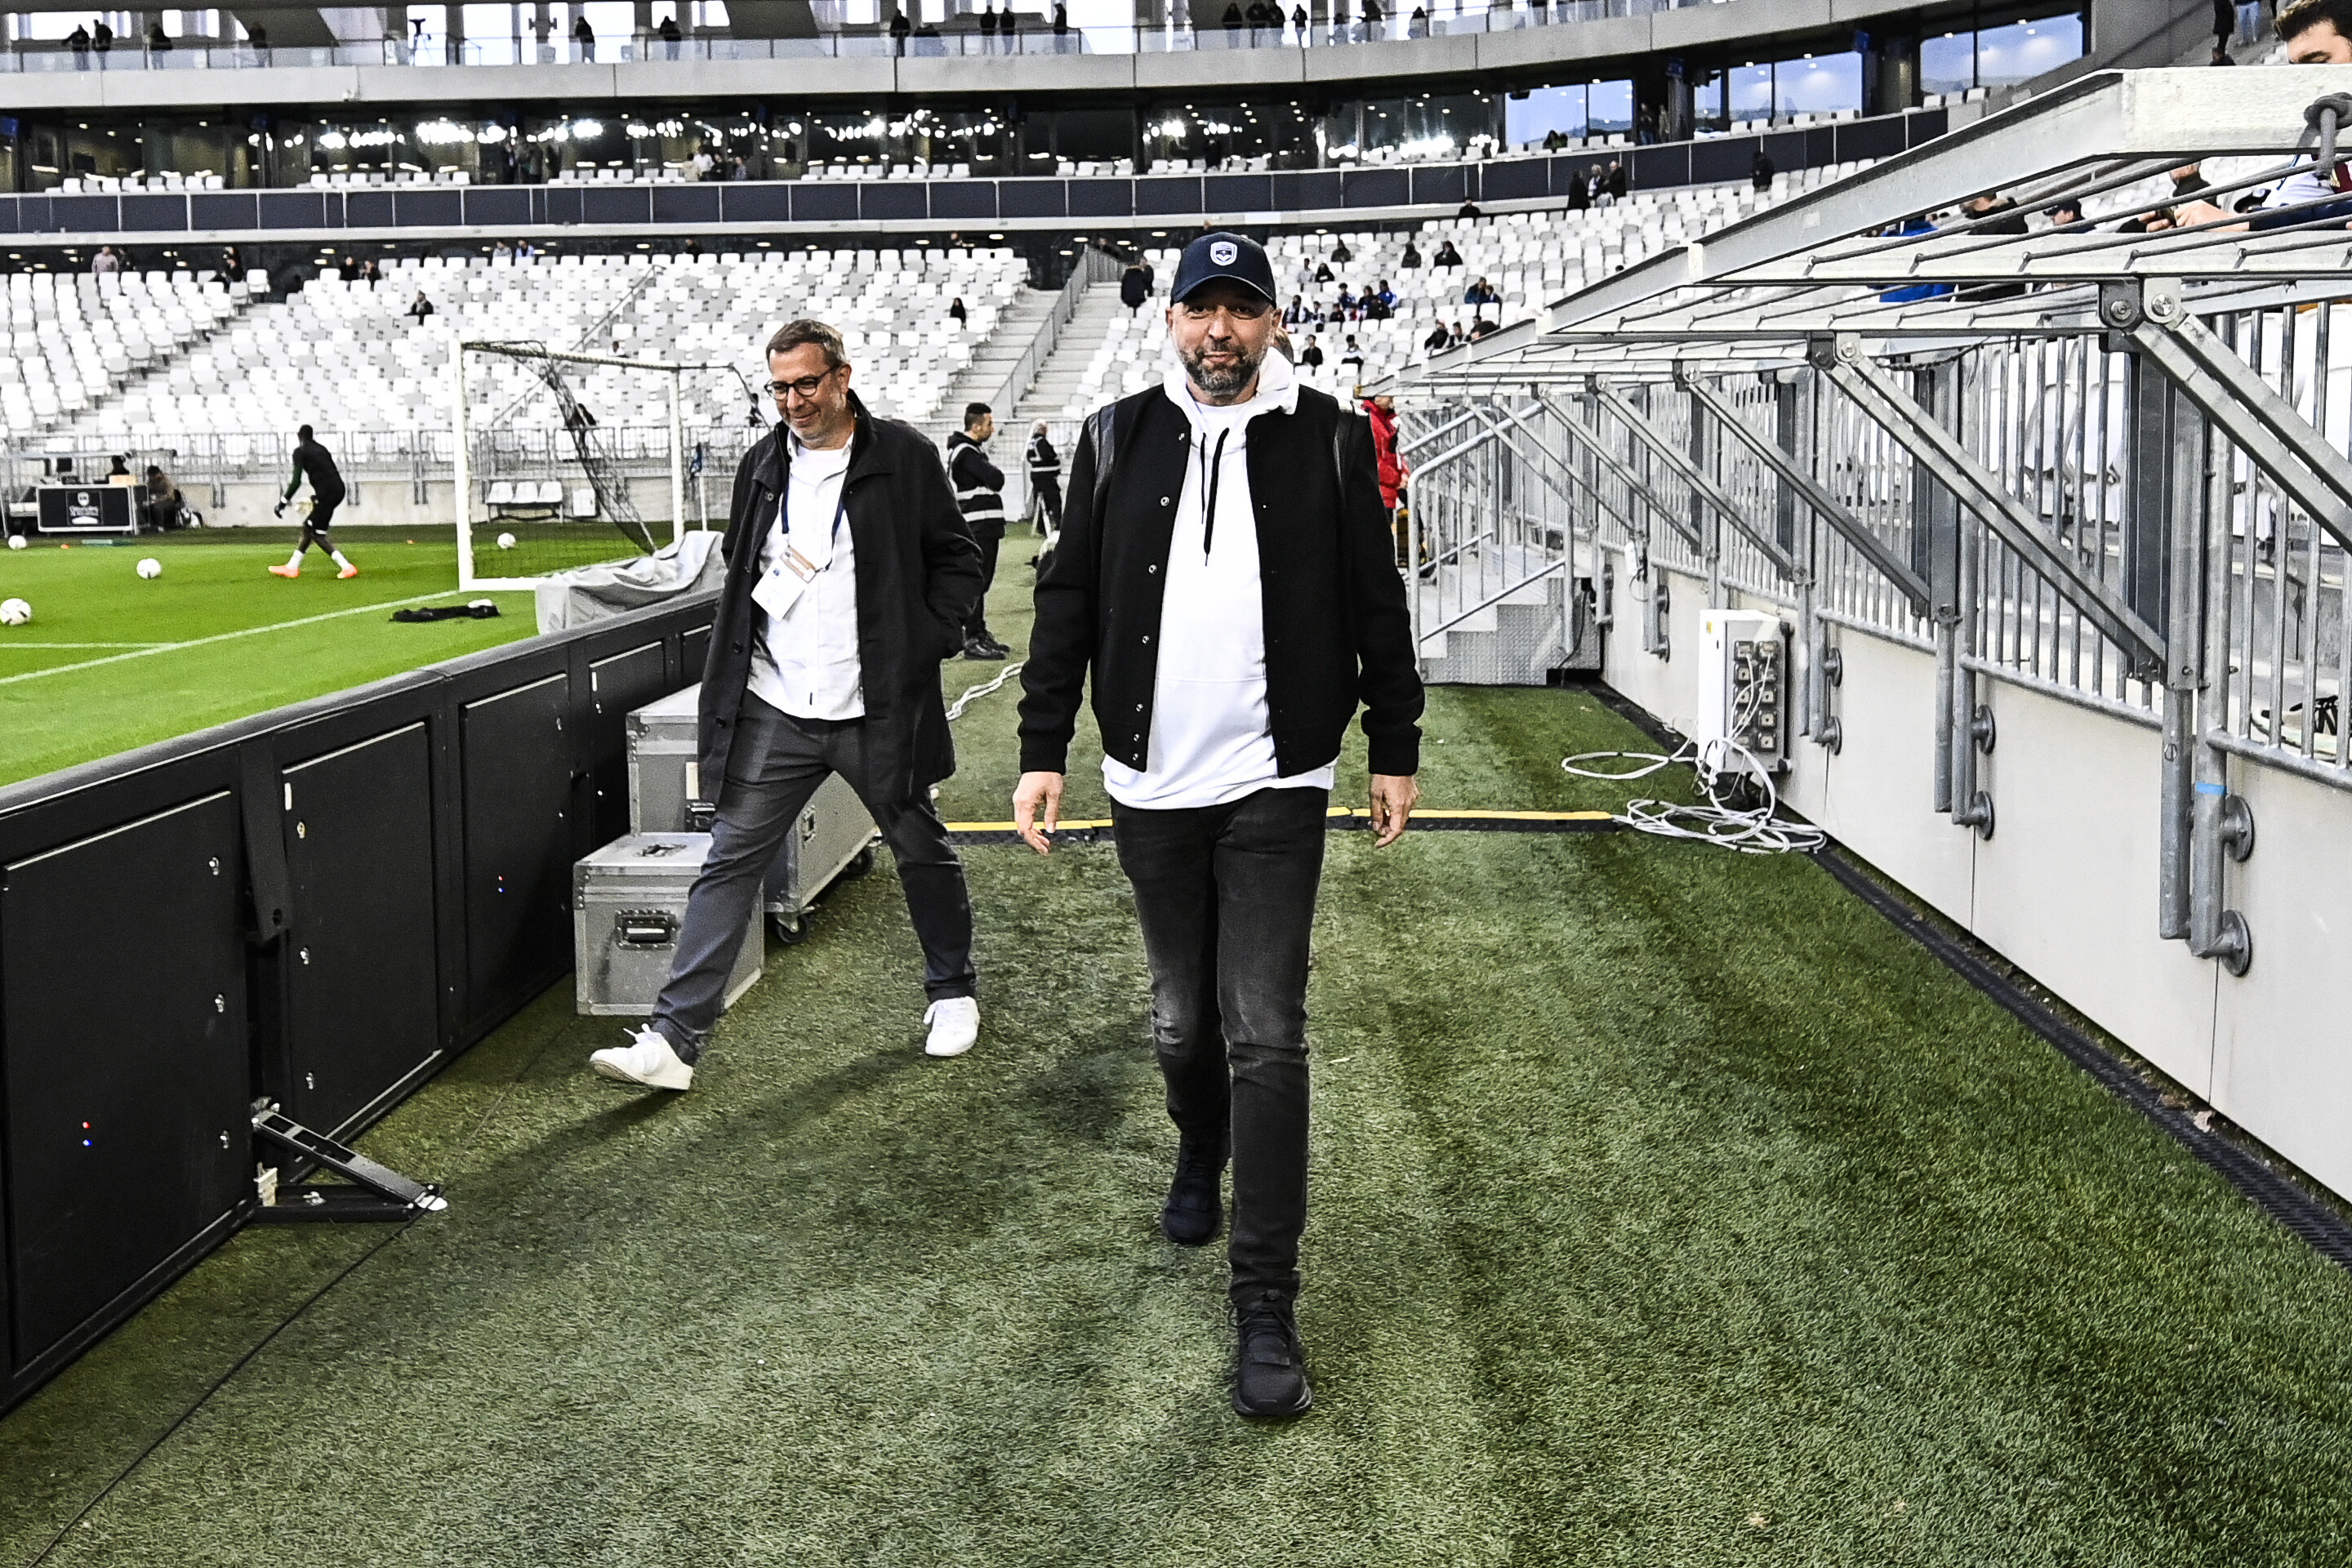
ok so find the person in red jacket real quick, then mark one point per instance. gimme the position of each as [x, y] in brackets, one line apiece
[1382, 411]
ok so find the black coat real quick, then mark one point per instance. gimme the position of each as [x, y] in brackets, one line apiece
[918, 575]
[1336, 630]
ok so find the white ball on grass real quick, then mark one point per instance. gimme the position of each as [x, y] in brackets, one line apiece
[505, 541]
[15, 541]
[15, 611]
[481, 604]
[151, 568]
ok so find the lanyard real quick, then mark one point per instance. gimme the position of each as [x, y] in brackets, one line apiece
[1213, 472]
[840, 508]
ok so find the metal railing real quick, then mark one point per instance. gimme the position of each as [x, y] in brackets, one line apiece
[1032, 36]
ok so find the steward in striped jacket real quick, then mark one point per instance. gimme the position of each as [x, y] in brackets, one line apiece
[980, 492]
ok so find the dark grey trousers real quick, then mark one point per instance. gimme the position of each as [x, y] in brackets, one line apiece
[776, 764]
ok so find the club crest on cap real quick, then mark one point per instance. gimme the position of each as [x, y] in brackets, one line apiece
[1223, 252]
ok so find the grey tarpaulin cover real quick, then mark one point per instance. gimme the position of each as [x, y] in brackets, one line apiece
[588, 593]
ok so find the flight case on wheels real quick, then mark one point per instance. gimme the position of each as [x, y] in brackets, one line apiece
[834, 836]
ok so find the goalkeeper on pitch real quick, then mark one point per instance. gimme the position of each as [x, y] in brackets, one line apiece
[315, 463]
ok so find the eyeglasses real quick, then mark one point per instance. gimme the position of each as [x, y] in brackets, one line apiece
[804, 388]
[1239, 309]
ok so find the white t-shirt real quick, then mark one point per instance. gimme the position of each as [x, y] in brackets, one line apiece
[1212, 737]
[805, 661]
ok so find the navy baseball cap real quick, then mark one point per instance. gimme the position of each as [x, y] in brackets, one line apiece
[1221, 254]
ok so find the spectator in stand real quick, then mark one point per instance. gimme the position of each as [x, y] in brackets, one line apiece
[1299, 21]
[1760, 171]
[1296, 314]
[1411, 261]
[1134, 287]
[258, 37]
[1446, 254]
[1619, 181]
[670, 36]
[1385, 295]
[2066, 214]
[420, 309]
[2225, 27]
[1483, 328]
[232, 265]
[1347, 302]
[1233, 20]
[956, 311]
[1599, 185]
[1437, 342]
[1323, 272]
[899, 28]
[158, 41]
[1480, 293]
[1311, 356]
[1579, 193]
[1045, 479]
[1992, 212]
[1352, 360]
[372, 274]
[105, 263]
[1417, 26]
[78, 42]
[1381, 412]
[101, 41]
[1466, 210]
[1339, 251]
[1372, 15]
[1061, 24]
[584, 37]
[987, 28]
[1455, 336]
[163, 509]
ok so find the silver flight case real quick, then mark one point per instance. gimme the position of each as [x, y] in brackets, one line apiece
[833, 832]
[628, 900]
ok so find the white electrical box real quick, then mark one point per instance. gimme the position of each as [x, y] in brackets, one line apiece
[1743, 689]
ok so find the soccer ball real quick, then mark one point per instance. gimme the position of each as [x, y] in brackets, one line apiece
[481, 604]
[15, 541]
[15, 611]
[151, 568]
[505, 541]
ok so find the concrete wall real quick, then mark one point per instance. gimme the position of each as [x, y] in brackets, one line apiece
[2066, 887]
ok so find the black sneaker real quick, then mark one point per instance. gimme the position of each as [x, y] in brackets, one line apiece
[1270, 1368]
[976, 649]
[1195, 1203]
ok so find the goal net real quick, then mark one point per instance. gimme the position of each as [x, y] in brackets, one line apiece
[563, 460]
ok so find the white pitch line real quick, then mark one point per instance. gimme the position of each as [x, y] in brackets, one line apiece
[154, 648]
[12, 644]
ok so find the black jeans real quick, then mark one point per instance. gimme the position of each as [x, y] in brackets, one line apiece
[775, 765]
[1226, 895]
[989, 536]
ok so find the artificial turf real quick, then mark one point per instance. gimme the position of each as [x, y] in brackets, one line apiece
[1669, 1208]
[112, 660]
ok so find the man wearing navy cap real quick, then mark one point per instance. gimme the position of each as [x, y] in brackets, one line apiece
[1225, 573]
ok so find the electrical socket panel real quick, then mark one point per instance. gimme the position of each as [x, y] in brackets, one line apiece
[1743, 687]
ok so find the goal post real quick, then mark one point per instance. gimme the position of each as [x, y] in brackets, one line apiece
[542, 479]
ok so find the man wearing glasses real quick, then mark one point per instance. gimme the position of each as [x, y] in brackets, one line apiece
[1231, 584]
[849, 572]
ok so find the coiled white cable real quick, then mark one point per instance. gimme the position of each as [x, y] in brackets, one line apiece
[973, 693]
[1751, 830]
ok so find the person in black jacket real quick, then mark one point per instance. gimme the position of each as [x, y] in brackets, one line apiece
[849, 572]
[315, 463]
[1045, 476]
[1227, 587]
[1134, 287]
[980, 492]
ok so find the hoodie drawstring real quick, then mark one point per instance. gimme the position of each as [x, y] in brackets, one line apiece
[1213, 472]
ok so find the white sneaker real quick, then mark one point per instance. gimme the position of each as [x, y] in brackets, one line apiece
[647, 1059]
[955, 1027]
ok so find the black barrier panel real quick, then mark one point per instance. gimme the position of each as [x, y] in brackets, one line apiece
[1520, 180]
[687, 203]
[85, 215]
[968, 199]
[617, 686]
[432, 209]
[152, 214]
[1168, 195]
[224, 209]
[1653, 168]
[882, 200]
[126, 1064]
[14, 211]
[1032, 198]
[1786, 148]
[368, 209]
[1101, 198]
[824, 202]
[362, 980]
[1440, 182]
[1820, 146]
[620, 204]
[1869, 139]
[1926, 125]
[517, 797]
[1713, 161]
[562, 204]
[1375, 188]
[1307, 192]
[292, 209]
[1238, 193]
[756, 203]
[490, 205]
[695, 648]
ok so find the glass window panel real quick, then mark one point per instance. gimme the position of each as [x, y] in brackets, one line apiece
[1608, 107]
[1751, 91]
[2025, 51]
[1825, 84]
[1544, 110]
[1948, 64]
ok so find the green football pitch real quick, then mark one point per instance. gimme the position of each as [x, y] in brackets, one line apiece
[110, 660]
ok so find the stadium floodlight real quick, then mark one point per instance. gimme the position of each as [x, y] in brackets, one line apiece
[542, 466]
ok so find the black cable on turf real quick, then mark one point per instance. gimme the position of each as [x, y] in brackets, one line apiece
[292, 1318]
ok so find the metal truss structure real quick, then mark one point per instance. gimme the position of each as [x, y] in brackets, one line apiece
[2104, 459]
